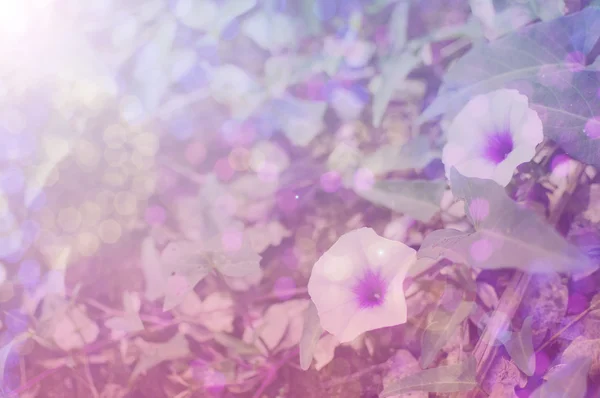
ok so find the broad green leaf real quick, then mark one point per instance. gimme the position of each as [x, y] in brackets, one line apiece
[188, 262]
[520, 55]
[185, 267]
[415, 154]
[547, 10]
[394, 71]
[311, 333]
[5, 352]
[506, 235]
[154, 353]
[441, 328]
[546, 59]
[238, 346]
[566, 381]
[583, 346]
[443, 379]
[520, 348]
[398, 25]
[419, 199]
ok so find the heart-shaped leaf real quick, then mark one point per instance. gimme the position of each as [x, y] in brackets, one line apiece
[548, 60]
[506, 235]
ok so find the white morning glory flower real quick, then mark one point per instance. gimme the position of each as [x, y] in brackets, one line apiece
[492, 135]
[357, 285]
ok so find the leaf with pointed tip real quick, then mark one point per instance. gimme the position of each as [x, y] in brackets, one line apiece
[131, 321]
[186, 266]
[154, 353]
[398, 25]
[506, 234]
[239, 346]
[419, 199]
[490, 66]
[187, 263]
[311, 332]
[415, 154]
[520, 348]
[394, 71]
[440, 329]
[566, 381]
[582, 346]
[443, 379]
[547, 57]
[5, 352]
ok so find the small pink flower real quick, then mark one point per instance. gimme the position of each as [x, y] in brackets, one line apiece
[357, 284]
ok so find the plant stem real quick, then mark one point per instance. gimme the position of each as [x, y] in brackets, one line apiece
[485, 350]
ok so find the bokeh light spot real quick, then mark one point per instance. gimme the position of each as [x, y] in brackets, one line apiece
[109, 231]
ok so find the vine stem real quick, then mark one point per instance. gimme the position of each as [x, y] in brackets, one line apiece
[485, 350]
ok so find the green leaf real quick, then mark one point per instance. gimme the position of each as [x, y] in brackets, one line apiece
[154, 353]
[506, 234]
[239, 346]
[185, 267]
[311, 332]
[398, 25]
[443, 379]
[415, 154]
[394, 71]
[5, 352]
[520, 348]
[566, 381]
[441, 328]
[419, 199]
[547, 10]
[544, 57]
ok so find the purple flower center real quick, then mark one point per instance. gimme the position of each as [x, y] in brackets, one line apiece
[498, 147]
[370, 290]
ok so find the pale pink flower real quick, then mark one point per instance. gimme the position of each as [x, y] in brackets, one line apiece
[357, 285]
[492, 135]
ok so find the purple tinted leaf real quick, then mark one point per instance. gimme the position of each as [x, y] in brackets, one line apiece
[506, 235]
[520, 348]
[310, 336]
[453, 378]
[566, 381]
[548, 56]
[442, 326]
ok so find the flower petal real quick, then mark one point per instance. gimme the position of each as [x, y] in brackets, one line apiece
[392, 312]
[505, 170]
[357, 285]
[477, 167]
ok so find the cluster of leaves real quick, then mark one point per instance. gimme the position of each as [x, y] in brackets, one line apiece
[262, 110]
